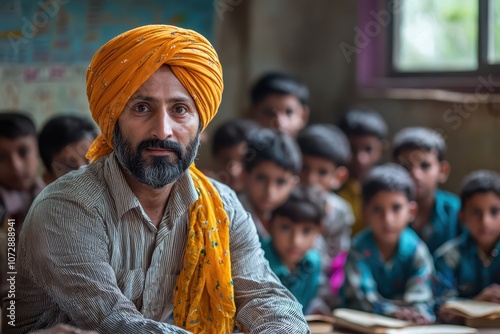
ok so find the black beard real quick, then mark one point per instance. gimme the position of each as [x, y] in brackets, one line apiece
[158, 171]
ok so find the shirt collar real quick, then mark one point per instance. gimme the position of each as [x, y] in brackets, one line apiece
[124, 198]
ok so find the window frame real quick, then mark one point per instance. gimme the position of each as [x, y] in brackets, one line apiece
[375, 70]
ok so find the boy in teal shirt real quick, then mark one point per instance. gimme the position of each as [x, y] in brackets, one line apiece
[294, 227]
[469, 266]
[389, 269]
[421, 151]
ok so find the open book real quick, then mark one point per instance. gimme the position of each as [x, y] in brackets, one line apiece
[476, 313]
[363, 322]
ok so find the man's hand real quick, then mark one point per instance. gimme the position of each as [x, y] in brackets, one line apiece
[412, 315]
[62, 329]
[489, 294]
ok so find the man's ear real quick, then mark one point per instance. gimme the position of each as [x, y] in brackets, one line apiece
[412, 210]
[341, 175]
[444, 171]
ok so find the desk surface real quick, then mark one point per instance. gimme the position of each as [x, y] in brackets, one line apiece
[479, 331]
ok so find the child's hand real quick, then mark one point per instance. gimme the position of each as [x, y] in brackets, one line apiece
[449, 317]
[490, 294]
[412, 315]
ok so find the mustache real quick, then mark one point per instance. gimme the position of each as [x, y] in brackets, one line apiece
[164, 144]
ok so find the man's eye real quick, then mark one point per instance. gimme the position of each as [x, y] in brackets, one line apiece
[289, 111]
[180, 110]
[142, 108]
[368, 149]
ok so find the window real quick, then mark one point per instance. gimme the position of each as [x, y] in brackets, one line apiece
[448, 44]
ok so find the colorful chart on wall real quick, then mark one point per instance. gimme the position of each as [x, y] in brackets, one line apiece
[70, 31]
[46, 45]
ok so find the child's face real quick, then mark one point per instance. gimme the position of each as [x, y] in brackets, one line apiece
[292, 240]
[481, 217]
[229, 166]
[282, 112]
[70, 158]
[366, 152]
[388, 213]
[321, 172]
[268, 186]
[18, 162]
[425, 169]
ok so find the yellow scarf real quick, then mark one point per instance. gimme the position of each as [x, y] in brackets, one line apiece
[204, 294]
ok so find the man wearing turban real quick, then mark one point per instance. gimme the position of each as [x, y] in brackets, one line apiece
[140, 236]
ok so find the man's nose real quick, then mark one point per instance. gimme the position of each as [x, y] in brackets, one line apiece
[161, 126]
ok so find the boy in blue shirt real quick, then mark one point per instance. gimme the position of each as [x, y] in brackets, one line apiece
[294, 227]
[389, 269]
[272, 165]
[469, 265]
[325, 156]
[421, 151]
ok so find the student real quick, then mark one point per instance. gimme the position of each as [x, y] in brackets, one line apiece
[272, 167]
[280, 101]
[389, 269]
[469, 265]
[294, 227]
[19, 161]
[421, 151]
[63, 143]
[325, 156]
[19, 183]
[229, 146]
[367, 134]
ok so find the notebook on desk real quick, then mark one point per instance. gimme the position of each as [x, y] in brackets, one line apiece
[368, 323]
[476, 313]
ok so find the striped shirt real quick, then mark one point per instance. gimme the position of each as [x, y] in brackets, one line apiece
[90, 256]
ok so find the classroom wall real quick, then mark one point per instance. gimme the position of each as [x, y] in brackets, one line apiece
[302, 38]
[298, 36]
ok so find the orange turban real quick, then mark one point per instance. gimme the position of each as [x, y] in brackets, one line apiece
[123, 64]
[204, 293]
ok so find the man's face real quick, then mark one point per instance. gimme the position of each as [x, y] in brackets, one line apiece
[425, 169]
[481, 217]
[157, 135]
[388, 213]
[18, 162]
[366, 153]
[282, 112]
[292, 240]
[268, 186]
